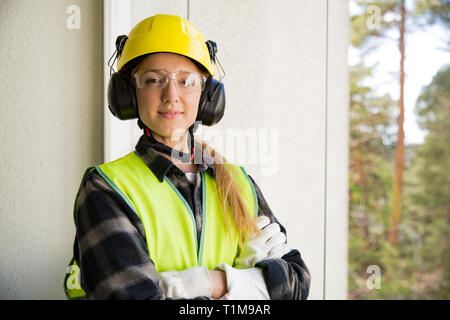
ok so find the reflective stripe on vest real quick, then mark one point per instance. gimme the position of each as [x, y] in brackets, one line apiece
[168, 220]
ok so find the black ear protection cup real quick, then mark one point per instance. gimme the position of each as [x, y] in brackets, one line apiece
[212, 103]
[122, 100]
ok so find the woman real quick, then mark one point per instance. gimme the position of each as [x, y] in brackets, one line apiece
[174, 220]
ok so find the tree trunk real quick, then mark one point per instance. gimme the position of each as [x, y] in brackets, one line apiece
[400, 147]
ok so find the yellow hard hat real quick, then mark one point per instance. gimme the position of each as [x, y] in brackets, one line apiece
[167, 33]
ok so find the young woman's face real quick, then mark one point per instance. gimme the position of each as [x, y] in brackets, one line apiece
[169, 107]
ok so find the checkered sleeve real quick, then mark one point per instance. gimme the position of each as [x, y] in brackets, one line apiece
[286, 278]
[110, 245]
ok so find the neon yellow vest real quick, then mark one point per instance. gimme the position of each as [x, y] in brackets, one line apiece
[169, 222]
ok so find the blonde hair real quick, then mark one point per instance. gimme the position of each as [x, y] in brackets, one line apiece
[230, 196]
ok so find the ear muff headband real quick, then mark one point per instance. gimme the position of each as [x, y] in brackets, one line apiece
[122, 101]
[212, 48]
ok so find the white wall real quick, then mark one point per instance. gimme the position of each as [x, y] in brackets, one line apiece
[285, 64]
[336, 209]
[287, 89]
[51, 130]
[274, 55]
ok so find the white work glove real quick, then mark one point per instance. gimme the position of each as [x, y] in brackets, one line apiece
[271, 244]
[244, 284]
[187, 284]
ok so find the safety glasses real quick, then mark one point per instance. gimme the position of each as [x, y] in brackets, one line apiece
[156, 80]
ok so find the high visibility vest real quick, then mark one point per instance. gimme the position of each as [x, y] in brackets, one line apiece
[168, 221]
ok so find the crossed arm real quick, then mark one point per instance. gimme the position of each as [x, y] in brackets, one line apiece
[111, 251]
[240, 281]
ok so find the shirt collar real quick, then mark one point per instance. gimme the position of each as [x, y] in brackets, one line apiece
[161, 166]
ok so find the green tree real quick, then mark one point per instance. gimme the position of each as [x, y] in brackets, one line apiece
[415, 265]
[432, 170]
[433, 111]
[370, 176]
[434, 11]
[377, 21]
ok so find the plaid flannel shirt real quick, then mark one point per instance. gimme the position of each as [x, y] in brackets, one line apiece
[110, 245]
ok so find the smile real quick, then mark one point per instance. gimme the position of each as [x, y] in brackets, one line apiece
[170, 115]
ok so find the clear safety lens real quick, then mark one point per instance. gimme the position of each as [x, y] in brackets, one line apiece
[158, 79]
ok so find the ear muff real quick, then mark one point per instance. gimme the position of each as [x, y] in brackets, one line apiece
[122, 101]
[212, 103]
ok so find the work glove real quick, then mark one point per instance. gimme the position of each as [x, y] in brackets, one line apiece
[187, 284]
[244, 284]
[270, 244]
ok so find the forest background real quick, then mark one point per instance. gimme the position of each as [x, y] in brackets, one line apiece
[399, 244]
